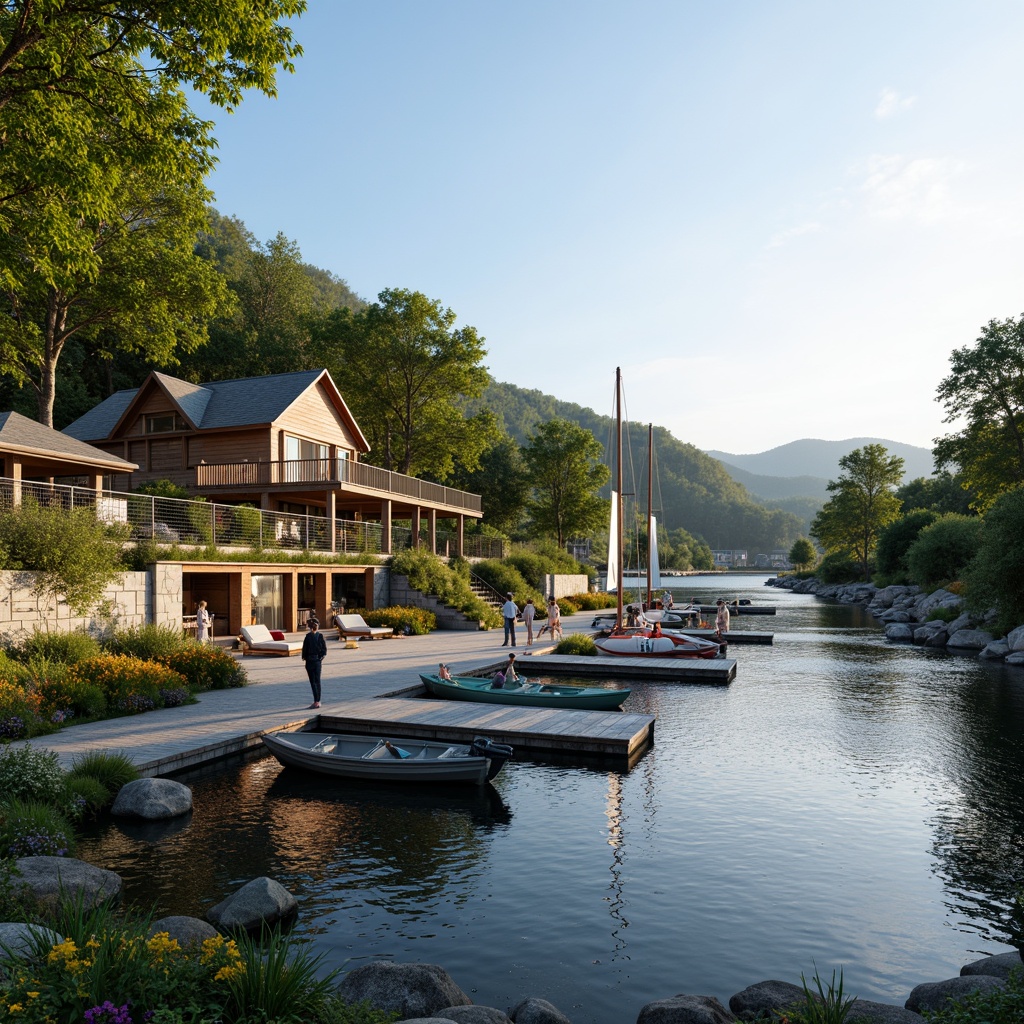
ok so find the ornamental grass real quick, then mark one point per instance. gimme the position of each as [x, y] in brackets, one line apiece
[407, 620]
[578, 644]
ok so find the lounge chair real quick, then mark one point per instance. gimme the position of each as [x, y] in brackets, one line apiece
[355, 626]
[259, 641]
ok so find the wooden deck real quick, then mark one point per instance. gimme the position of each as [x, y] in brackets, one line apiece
[735, 636]
[534, 730]
[713, 671]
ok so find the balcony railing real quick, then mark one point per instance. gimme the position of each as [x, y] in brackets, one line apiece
[199, 523]
[343, 472]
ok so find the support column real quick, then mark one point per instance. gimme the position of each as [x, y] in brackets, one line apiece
[385, 527]
[432, 529]
[16, 478]
[97, 483]
[417, 514]
[322, 596]
[291, 601]
[332, 510]
[460, 535]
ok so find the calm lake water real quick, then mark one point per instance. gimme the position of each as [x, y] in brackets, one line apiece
[845, 802]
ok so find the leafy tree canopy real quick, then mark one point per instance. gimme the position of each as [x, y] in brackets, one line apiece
[894, 542]
[985, 390]
[564, 468]
[406, 371]
[802, 553]
[862, 503]
[996, 575]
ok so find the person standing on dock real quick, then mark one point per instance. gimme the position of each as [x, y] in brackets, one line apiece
[529, 610]
[314, 650]
[204, 623]
[721, 619]
[509, 611]
[554, 619]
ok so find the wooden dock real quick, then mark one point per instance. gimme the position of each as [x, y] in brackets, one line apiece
[734, 636]
[541, 731]
[713, 671]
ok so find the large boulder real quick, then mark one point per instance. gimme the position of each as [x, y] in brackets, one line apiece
[935, 995]
[473, 1014]
[924, 633]
[47, 878]
[864, 1011]
[537, 1011]
[259, 902]
[974, 639]
[937, 639]
[23, 939]
[998, 966]
[895, 615]
[683, 1009]
[189, 931]
[1017, 658]
[410, 990]
[1015, 638]
[926, 604]
[996, 650]
[898, 631]
[152, 800]
[764, 998]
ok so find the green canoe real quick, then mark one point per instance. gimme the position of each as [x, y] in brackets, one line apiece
[525, 691]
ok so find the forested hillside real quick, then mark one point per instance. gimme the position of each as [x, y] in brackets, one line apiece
[696, 493]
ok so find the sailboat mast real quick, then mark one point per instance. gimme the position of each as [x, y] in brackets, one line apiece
[618, 490]
[650, 467]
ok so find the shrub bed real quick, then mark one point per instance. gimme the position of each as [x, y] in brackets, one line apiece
[130, 685]
[577, 643]
[410, 621]
[430, 575]
[204, 667]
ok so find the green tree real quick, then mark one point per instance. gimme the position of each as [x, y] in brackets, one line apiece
[406, 371]
[985, 389]
[502, 483]
[996, 575]
[73, 554]
[802, 554]
[75, 91]
[147, 291]
[943, 549]
[894, 542]
[862, 503]
[944, 492]
[564, 468]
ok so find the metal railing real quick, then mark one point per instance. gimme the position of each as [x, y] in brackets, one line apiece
[325, 471]
[202, 523]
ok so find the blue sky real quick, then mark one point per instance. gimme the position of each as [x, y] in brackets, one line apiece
[779, 217]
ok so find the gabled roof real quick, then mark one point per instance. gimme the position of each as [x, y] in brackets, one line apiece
[19, 434]
[219, 404]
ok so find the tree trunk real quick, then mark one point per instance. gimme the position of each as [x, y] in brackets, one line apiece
[53, 344]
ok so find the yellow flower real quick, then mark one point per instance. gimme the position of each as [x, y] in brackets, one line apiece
[32, 995]
[15, 1008]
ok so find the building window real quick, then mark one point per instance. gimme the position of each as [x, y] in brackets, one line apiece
[164, 423]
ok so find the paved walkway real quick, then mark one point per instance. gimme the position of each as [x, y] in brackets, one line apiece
[278, 696]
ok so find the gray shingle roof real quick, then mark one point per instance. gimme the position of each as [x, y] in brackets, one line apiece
[19, 432]
[217, 404]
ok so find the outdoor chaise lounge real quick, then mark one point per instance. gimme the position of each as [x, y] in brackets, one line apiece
[355, 626]
[259, 641]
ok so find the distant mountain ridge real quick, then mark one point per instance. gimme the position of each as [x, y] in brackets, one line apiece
[810, 457]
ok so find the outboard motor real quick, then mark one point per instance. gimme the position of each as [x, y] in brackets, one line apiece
[496, 753]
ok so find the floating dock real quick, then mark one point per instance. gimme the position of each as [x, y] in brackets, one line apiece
[712, 671]
[540, 731]
[736, 636]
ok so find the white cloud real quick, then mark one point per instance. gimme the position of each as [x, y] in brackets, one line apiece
[891, 103]
[782, 237]
[897, 188]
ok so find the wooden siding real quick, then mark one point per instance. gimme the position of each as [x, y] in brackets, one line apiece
[165, 454]
[314, 417]
[229, 446]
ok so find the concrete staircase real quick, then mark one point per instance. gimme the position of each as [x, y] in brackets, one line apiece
[403, 593]
[486, 593]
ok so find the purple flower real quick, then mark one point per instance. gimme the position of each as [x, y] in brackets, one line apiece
[108, 1013]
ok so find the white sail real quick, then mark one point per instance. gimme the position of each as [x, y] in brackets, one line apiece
[614, 557]
[652, 548]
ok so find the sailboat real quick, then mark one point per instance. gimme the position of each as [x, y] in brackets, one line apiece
[639, 641]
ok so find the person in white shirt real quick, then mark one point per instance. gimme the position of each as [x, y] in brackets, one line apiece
[721, 619]
[554, 619]
[509, 611]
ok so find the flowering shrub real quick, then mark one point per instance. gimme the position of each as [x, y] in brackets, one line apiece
[130, 685]
[32, 829]
[409, 621]
[150, 642]
[205, 667]
[30, 774]
[175, 698]
[18, 708]
[62, 694]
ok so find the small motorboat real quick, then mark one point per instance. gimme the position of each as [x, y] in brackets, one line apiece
[368, 758]
[530, 692]
[649, 643]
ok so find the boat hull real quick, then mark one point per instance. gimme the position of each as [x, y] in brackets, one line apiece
[366, 758]
[582, 698]
[642, 644]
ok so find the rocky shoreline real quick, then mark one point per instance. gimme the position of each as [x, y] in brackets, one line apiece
[909, 615]
[424, 993]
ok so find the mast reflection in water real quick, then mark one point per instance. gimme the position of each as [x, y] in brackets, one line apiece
[845, 802]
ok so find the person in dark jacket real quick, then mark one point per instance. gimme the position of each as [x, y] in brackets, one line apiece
[314, 650]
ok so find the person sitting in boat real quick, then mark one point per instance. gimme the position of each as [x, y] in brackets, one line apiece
[443, 672]
[505, 676]
[656, 629]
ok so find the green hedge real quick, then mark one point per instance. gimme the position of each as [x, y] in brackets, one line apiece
[410, 621]
[428, 574]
